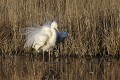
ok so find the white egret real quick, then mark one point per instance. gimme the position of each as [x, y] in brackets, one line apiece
[43, 38]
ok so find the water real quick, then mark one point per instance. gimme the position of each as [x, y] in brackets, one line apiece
[27, 68]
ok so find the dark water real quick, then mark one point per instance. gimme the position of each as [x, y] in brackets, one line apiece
[27, 68]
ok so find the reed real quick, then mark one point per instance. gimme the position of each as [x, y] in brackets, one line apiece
[26, 68]
[93, 25]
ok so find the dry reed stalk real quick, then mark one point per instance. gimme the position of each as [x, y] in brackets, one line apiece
[93, 25]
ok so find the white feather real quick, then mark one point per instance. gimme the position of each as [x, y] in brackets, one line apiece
[43, 37]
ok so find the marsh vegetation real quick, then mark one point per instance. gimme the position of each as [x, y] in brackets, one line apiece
[93, 26]
[94, 29]
[85, 68]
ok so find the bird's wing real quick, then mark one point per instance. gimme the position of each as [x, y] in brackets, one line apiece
[47, 24]
[38, 40]
[33, 35]
[30, 32]
[37, 35]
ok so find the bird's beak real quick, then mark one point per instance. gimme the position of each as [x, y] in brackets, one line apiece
[57, 29]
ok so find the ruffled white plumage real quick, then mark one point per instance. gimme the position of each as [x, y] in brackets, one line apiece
[41, 37]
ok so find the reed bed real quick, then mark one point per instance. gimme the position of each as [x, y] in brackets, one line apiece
[26, 68]
[93, 25]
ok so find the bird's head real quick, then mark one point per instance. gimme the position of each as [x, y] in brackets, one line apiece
[54, 25]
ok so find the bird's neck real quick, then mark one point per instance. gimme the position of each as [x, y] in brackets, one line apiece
[53, 37]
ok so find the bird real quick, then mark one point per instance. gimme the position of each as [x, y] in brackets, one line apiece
[43, 38]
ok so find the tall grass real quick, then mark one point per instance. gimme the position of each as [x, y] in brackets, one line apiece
[93, 25]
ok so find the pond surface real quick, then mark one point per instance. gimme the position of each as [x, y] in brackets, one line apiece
[28, 68]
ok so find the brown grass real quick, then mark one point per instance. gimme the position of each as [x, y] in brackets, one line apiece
[93, 25]
[25, 68]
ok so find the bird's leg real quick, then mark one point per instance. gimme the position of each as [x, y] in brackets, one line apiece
[49, 55]
[36, 53]
[43, 56]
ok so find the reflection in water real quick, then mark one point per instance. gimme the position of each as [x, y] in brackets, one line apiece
[26, 68]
